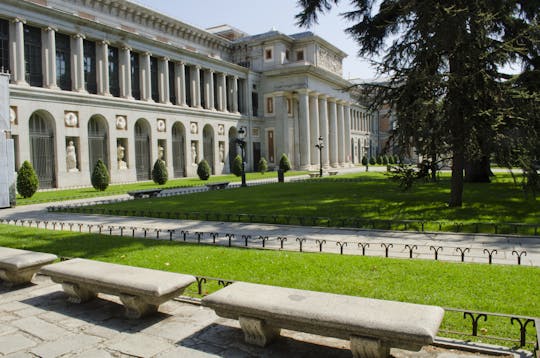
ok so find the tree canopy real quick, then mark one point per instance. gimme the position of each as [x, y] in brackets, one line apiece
[444, 61]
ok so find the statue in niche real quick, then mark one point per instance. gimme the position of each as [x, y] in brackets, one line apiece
[194, 153]
[160, 152]
[221, 152]
[71, 158]
[121, 152]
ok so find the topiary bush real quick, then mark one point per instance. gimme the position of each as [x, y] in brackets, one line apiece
[385, 159]
[284, 164]
[379, 159]
[203, 170]
[27, 180]
[100, 176]
[263, 166]
[237, 166]
[159, 172]
[364, 160]
[391, 160]
[372, 161]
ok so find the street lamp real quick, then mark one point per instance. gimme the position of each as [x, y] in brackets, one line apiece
[366, 148]
[320, 147]
[241, 141]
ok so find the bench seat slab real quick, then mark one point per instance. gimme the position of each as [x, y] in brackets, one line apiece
[141, 290]
[371, 325]
[18, 267]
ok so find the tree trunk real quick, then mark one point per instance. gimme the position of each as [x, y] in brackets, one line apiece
[478, 171]
[456, 182]
[434, 168]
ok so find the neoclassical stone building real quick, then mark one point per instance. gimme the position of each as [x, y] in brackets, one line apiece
[113, 80]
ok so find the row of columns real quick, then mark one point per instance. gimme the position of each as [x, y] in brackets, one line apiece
[227, 86]
[326, 117]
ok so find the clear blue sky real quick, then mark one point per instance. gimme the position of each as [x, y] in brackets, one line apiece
[258, 16]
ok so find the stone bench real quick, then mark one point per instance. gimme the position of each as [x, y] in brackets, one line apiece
[18, 267]
[314, 175]
[332, 172]
[372, 326]
[217, 186]
[140, 290]
[148, 193]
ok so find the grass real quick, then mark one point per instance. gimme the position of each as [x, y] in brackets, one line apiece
[492, 288]
[89, 192]
[368, 196]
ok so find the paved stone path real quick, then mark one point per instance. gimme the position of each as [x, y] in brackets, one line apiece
[37, 321]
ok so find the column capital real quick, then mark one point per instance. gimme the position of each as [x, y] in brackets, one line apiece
[79, 36]
[332, 99]
[280, 94]
[303, 91]
[147, 53]
[165, 58]
[197, 67]
[104, 42]
[126, 48]
[323, 97]
[18, 19]
[314, 94]
[50, 29]
[235, 78]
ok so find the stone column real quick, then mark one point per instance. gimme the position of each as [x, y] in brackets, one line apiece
[16, 52]
[125, 72]
[282, 125]
[314, 127]
[195, 86]
[77, 63]
[146, 84]
[209, 89]
[340, 133]
[303, 129]
[49, 58]
[332, 133]
[347, 139]
[180, 70]
[163, 80]
[234, 94]
[102, 68]
[323, 129]
[222, 92]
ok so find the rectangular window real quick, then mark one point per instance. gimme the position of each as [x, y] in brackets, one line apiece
[172, 87]
[255, 103]
[63, 61]
[135, 75]
[114, 72]
[154, 78]
[270, 105]
[89, 49]
[300, 55]
[32, 56]
[4, 45]
[268, 54]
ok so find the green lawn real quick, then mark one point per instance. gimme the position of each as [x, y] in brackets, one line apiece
[368, 196]
[492, 288]
[68, 194]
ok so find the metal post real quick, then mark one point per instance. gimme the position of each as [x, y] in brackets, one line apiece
[320, 147]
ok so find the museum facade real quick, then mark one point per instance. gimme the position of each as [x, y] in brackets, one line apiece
[116, 81]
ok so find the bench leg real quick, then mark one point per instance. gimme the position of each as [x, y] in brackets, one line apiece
[12, 278]
[76, 293]
[136, 307]
[362, 347]
[257, 332]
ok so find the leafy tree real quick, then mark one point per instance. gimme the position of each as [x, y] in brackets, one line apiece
[203, 170]
[263, 166]
[443, 59]
[159, 172]
[27, 180]
[100, 176]
[284, 164]
[237, 166]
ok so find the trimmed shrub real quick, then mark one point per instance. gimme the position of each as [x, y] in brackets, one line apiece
[27, 180]
[391, 160]
[159, 172]
[237, 166]
[372, 161]
[263, 166]
[385, 159]
[284, 164]
[203, 170]
[364, 160]
[100, 176]
[379, 159]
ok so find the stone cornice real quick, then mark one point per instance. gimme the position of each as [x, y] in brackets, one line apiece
[310, 70]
